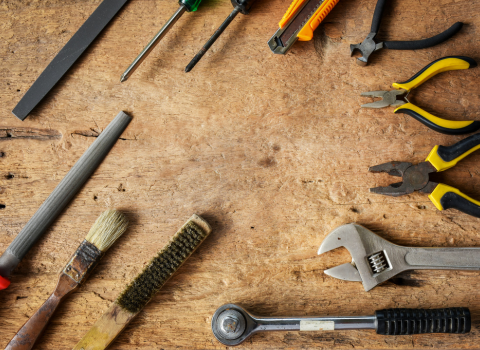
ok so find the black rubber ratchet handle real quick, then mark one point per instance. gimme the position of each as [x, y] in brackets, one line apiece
[377, 16]
[416, 321]
[424, 43]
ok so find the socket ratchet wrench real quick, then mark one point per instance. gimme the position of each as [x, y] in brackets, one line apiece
[375, 260]
[232, 324]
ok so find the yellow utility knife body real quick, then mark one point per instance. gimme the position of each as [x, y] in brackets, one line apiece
[299, 22]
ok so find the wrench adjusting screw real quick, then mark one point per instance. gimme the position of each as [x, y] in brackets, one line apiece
[378, 262]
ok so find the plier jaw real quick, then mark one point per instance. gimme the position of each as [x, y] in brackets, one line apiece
[388, 98]
[415, 178]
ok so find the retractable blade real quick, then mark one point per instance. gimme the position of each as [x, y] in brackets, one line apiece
[299, 22]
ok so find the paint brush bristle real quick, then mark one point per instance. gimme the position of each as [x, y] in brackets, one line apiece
[110, 225]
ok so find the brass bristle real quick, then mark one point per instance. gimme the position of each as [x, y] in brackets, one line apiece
[110, 225]
[139, 292]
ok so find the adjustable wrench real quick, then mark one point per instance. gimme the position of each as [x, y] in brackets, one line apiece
[375, 260]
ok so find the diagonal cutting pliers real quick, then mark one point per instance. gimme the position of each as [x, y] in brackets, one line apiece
[369, 45]
[416, 177]
[399, 98]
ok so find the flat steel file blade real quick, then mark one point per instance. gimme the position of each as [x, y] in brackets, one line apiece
[67, 56]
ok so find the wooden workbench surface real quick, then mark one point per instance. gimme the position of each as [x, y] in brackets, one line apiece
[272, 150]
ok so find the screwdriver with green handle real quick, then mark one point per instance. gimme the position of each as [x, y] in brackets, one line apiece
[185, 5]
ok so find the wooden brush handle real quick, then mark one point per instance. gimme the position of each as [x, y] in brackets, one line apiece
[33, 328]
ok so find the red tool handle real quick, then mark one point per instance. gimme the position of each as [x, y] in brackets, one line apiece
[4, 283]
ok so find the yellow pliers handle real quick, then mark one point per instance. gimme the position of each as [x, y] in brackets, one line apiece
[443, 158]
[450, 127]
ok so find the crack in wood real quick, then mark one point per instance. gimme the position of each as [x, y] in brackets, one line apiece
[93, 133]
[86, 133]
[7, 133]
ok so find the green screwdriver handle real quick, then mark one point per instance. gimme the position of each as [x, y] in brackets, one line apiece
[190, 5]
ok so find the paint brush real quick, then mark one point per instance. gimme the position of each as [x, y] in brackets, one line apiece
[109, 226]
[144, 287]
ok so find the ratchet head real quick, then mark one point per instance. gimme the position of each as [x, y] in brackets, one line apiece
[374, 259]
[232, 324]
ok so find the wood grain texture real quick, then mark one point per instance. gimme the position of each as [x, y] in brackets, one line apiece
[272, 150]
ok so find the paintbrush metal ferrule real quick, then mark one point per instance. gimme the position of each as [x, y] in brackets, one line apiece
[82, 262]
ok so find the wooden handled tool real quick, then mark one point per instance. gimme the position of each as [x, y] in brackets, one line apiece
[106, 230]
[139, 292]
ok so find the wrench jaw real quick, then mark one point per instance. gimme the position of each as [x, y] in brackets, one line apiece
[376, 259]
[346, 272]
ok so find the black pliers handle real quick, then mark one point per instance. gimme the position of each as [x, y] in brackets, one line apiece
[414, 44]
[368, 46]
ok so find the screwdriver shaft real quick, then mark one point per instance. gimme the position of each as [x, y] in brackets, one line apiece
[210, 41]
[151, 45]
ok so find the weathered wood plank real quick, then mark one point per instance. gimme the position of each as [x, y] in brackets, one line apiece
[273, 151]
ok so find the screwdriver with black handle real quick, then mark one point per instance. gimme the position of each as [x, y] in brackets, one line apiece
[185, 5]
[242, 6]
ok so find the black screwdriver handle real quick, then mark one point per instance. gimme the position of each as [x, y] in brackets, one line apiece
[377, 16]
[243, 5]
[424, 43]
[416, 321]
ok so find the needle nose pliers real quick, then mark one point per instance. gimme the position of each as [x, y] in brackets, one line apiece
[416, 177]
[398, 98]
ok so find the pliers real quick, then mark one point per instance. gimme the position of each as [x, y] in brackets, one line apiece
[416, 177]
[368, 46]
[398, 98]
